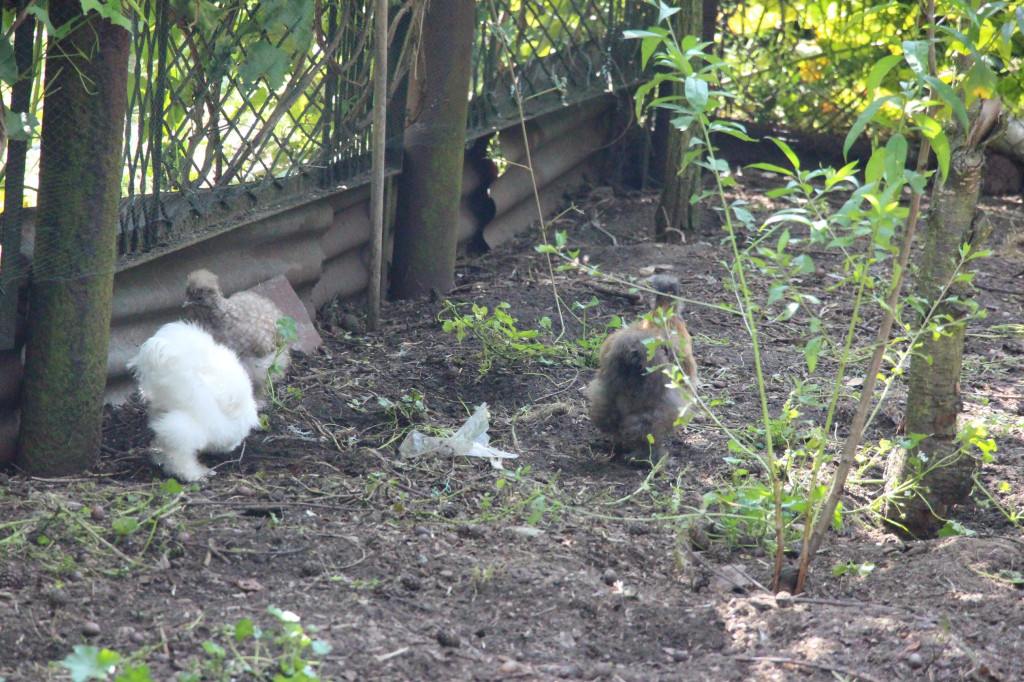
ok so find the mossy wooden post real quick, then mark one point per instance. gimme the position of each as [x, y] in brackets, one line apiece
[76, 230]
[12, 275]
[678, 220]
[941, 473]
[435, 137]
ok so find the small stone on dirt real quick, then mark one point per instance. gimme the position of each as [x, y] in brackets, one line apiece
[914, 660]
[56, 597]
[422, 531]
[609, 576]
[351, 323]
[470, 530]
[90, 628]
[97, 513]
[244, 490]
[411, 583]
[784, 599]
[527, 531]
[509, 667]
[310, 568]
[699, 539]
[448, 638]
[732, 579]
[763, 602]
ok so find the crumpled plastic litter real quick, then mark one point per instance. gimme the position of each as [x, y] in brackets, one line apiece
[471, 440]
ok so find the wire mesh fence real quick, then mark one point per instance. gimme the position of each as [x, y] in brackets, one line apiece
[548, 54]
[237, 105]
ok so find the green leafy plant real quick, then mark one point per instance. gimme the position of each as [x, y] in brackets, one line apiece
[93, 663]
[501, 340]
[287, 332]
[410, 407]
[859, 570]
[283, 652]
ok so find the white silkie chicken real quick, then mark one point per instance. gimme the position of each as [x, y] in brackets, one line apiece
[200, 397]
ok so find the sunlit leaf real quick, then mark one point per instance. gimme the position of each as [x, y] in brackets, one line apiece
[696, 92]
[940, 145]
[811, 352]
[788, 151]
[876, 166]
[980, 82]
[916, 54]
[107, 10]
[770, 167]
[878, 72]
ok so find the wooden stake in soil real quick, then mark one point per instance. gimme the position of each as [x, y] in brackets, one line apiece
[380, 97]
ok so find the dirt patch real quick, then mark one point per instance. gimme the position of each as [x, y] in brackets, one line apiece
[569, 567]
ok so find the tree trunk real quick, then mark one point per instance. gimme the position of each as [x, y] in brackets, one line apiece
[940, 470]
[429, 189]
[12, 275]
[73, 275]
[678, 220]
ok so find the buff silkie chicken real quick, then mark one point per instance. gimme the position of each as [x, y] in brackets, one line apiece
[246, 323]
[632, 397]
[199, 395]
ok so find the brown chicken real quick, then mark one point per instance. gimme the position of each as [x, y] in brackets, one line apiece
[674, 329]
[246, 323]
[632, 397]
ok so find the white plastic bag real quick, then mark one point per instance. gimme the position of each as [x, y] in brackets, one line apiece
[470, 441]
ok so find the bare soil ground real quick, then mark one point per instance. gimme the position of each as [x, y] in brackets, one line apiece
[567, 565]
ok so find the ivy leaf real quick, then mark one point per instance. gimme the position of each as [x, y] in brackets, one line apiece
[43, 17]
[21, 125]
[8, 67]
[107, 10]
[243, 629]
[126, 525]
[90, 663]
[134, 674]
[266, 60]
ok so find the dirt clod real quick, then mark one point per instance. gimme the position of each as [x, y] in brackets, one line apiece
[448, 638]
